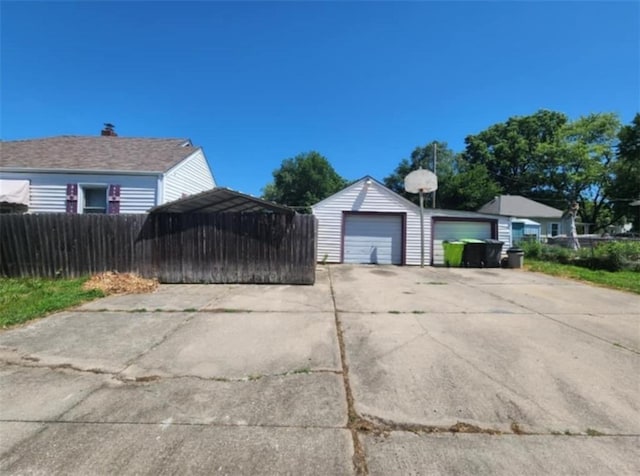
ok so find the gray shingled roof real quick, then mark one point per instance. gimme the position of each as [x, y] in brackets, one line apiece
[518, 206]
[102, 153]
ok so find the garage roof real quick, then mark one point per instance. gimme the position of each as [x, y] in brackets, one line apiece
[221, 200]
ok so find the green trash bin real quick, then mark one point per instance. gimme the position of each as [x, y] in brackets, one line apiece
[453, 253]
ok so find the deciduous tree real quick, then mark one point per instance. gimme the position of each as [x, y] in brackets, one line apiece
[578, 165]
[625, 186]
[461, 186]
[303, 180]
[510, 151]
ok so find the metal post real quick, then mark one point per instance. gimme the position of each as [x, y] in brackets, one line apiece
[421, 230]
[435, 154]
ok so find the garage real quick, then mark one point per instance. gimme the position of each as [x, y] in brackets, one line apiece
[367, 223]
[453, 230]
[373, 238]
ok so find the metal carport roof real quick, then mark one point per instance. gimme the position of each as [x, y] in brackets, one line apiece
[221, 200]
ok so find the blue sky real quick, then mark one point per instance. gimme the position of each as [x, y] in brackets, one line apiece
[363, 83]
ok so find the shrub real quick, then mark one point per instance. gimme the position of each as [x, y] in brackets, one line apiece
[531, 248]
[557, 254]
[609, 256]
[612, 256]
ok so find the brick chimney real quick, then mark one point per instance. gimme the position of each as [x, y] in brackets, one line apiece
[108, 130]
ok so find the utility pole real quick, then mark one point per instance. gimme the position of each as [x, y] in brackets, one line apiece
[435, 160]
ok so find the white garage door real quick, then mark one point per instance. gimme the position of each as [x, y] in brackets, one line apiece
[456, 230]
[373, 239]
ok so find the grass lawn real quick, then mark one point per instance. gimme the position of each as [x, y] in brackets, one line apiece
[22, 299]
[624, 280]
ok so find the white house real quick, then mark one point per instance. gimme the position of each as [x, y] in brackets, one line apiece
[517, 208]
[368, 223]
[102, 174]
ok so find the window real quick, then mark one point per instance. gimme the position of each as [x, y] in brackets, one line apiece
[555, 229]
[95, 199]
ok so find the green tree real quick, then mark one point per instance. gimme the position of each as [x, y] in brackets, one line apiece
[625, 186]
[468, 188]
[303, 180]
[578, 166]
[461, 186]
[421, 157]
[510, 151]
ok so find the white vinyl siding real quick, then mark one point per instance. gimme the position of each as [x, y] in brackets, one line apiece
[189, 177]
[373, 238]
[48, 191]
[363, 197]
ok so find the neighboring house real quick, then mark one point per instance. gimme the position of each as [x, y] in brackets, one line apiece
[368, 223]
[523, 228]
[517, 207]
[102, 174]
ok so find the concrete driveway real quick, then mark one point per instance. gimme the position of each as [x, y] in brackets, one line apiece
[374, 370]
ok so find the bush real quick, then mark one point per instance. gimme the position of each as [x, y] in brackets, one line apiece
[612, 256]
[609, 256]
[531, 248]
[557, 254]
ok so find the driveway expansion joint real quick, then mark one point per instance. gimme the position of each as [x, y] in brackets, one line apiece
[166, 424]
[353, 419]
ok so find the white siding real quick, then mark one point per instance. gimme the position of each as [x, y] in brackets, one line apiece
[361, 197]
[48, 191]
[190, 176]
[377, 198]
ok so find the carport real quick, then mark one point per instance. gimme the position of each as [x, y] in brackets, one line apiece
[224, 236]
[221, 200]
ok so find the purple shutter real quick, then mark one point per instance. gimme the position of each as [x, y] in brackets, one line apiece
[114, 199]
[72, 198]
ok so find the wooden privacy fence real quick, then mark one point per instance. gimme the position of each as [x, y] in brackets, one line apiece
[174, 248]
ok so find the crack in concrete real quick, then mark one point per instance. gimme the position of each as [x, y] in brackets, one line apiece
[367, 424]
[354, 421]
[220, 310]
[173, 423]
[248, 378]
[436, 312]
[34, 362]
[383, 427]
[380, 426]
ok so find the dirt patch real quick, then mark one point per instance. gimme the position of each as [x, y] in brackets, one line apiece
[121, 283]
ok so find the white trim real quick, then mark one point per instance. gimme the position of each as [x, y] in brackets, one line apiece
[160, 198]
[94, 186]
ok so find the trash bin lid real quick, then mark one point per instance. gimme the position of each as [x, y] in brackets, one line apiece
[494, 242]
[515, 250]
[471, 240]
